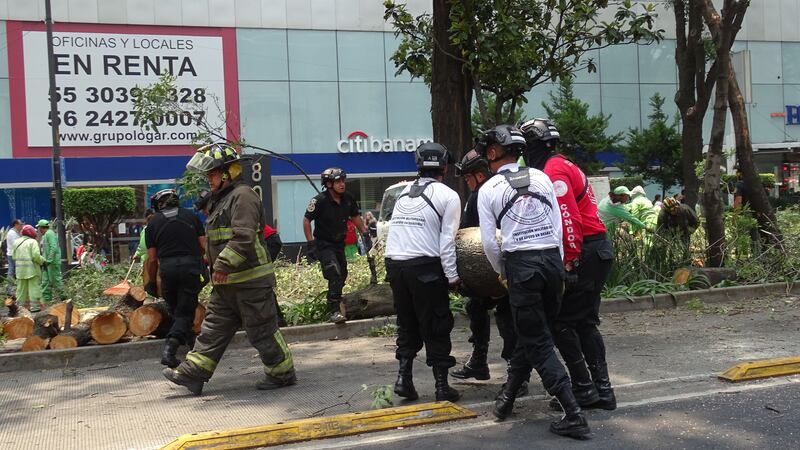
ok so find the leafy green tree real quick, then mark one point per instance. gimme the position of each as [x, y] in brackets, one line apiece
[582, 134]
[478, 125]
[99, 209]
[655, 152]
[504, 49]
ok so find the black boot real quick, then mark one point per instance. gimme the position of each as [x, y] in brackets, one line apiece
[607, 399]
[476, 367]
[573, 424]
[443, 389]
[504, 402]
[404, 386]
[168, 354]
[194, 385]
[583, 388]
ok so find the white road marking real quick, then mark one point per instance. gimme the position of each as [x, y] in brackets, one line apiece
[481, 423]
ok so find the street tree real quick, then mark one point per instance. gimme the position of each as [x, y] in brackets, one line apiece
[723, 29]
[655, 152]
[503, 50]
[98, 210]
[582, 135]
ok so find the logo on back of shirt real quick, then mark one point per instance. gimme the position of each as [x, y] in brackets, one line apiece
[560, 188]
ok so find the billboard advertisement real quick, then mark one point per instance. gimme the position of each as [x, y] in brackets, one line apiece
[100, 70]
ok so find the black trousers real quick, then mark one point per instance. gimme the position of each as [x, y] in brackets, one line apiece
[577, 336]
[180, 284]
[480, 325]
[422, 301]
[535, 284]
[334, 269]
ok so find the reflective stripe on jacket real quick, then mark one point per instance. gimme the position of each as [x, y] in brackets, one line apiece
[233, 236]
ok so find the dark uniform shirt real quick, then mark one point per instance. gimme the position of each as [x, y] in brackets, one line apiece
[330, 218]
[470, 217]
[174, 236]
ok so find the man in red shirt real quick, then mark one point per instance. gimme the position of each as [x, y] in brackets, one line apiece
[588, 256]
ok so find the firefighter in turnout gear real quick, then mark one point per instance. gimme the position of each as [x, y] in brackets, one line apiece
[588, 256]
[330, 211]
[242, 276]
[521, 202]
[475, 170]
[421, 269]
[175, 242]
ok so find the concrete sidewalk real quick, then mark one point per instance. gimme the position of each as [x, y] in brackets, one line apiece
[130, 405]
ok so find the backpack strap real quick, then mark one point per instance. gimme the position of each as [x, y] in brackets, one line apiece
[418, 190]
[519, 181]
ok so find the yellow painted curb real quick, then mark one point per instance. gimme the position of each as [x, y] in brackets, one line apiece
[323, 427]
[762, 369]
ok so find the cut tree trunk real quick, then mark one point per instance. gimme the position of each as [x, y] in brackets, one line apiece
[18, 324]
[108, 327]
[60, 311]
[199, 316]
[373, 301]
[78, 336]
[715, 275]
[150, 319]
[474, 268]
[45, 326]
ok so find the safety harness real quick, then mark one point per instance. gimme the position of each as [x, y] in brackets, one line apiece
[418, 190]
[520, 181]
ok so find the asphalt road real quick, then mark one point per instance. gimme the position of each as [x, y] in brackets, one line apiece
[749, 416]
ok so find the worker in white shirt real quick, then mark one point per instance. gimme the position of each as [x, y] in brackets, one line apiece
[421, 269]
[521, 202]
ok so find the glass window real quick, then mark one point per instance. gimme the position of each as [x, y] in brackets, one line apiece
[292, 200]
[361, 56]
[765, 62]
[767, 99]
[621, 101]
[312, 55]
[262, 54]
[391, 42]
[657, 63]
[618, 64]
[5, 120]
[533, 108]
[3, 54]
[409, 110]
[315, 116]
[264, 107]
[589, 93]
[363, 108]
[790, 52]
[584, 76]
[667, 91]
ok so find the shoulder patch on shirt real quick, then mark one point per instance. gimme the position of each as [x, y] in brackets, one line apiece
[312, 205]
[560, 188]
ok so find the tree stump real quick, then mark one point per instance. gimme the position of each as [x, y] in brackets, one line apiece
[45, 326]
[78, 336]
[199, 316]
[474, 268]
[150, 319]
[373, 301]
[60, 311]
[18, 324]
[108, 327]
[715, 275]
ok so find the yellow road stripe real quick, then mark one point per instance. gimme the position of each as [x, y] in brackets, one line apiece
[323, 427]
[766, 368]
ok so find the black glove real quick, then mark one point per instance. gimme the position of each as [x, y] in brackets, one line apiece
[311, 251]
[366, 238]
[571, 280]
[151, 288]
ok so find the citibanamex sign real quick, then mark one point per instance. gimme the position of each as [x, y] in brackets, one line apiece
[360, 142]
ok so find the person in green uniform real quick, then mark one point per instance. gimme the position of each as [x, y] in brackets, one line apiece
[51, 279]
[141, 250]
[29, 260]
[612, 211]
[641, 207]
